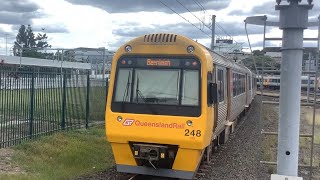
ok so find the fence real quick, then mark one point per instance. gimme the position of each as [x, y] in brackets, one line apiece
[36, 101]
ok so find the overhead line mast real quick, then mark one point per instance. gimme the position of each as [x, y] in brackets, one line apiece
[293, 21]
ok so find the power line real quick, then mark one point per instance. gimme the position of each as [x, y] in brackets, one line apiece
[193, 14]
[202, 8]
[185, 18]
[218, 25]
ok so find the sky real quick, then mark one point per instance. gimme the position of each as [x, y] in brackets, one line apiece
[111, 23]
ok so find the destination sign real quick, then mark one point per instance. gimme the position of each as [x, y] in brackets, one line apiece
[158, 62]
[161, 62]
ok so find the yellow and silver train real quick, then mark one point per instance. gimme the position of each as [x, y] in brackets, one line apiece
[170, 102]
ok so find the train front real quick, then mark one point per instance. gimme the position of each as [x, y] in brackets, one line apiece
[158, 120]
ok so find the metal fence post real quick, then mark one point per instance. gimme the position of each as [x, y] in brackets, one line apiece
[88, 100]
[64, 92]
[32, 89]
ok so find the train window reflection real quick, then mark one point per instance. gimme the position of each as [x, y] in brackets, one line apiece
[156, 86]
[123, 88]
[190, 88]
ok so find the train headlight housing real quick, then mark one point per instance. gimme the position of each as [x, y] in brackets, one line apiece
[190, 49]
[119, 118]
[189, 123]
[128, 48]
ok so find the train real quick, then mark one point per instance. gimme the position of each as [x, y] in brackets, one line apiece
[273, 82]
[171, 101]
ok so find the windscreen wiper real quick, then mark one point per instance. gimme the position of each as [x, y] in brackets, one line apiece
[126, 91]
[138, 93]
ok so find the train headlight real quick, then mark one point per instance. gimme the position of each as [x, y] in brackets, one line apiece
[119, 118]
[189, 123]
[190, 49]
[128, 48]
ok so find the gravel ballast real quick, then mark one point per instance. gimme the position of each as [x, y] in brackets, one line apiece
[239, 157]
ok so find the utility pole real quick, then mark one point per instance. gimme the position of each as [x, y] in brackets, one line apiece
[104, 63]
[6, 44]
[213, 28]
[293, 21]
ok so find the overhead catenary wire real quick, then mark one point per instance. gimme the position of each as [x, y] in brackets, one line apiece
[194, 15]
[185, 19]
[217, 24]
[203, 23]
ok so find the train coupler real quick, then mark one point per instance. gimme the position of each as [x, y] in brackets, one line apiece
[151, 152]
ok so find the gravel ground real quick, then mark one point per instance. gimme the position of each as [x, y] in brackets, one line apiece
[239, 158]
[6, 166]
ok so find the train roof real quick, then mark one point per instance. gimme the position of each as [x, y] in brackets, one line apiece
[222, 60]
[172, 38]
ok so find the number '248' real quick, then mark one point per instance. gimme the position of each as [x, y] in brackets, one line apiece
[196, 133]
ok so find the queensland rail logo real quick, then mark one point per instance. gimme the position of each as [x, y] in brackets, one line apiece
[128, 122]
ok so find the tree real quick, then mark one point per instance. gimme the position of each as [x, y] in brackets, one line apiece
[261, 61]
[257, 53]
[26, 43]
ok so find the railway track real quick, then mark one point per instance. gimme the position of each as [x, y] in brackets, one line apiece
[144, 177]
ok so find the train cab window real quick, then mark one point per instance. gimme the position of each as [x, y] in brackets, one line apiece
[191, 88]
[250, 82]
[220, 84]
[158, 85]
[123, 88]
[163, 91]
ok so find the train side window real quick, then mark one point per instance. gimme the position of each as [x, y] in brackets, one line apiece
[239, 84]
[250, 82]
[220, 85]
[243, 83]
[210, 77]
[234, 83]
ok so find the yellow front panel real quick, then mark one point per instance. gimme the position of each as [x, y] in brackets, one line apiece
[122, 154]
[157, 129]
[187, 160]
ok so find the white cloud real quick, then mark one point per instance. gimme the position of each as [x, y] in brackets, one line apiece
[88, 26]
[69, 25]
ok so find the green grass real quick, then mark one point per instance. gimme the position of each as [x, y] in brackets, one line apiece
[64, 155]
[17, 176]
[48, 104]
[97, 103]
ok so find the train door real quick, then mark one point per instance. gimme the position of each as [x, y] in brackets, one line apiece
[229, 89]
[215, 107]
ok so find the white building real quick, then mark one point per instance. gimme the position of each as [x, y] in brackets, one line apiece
[99, 58]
